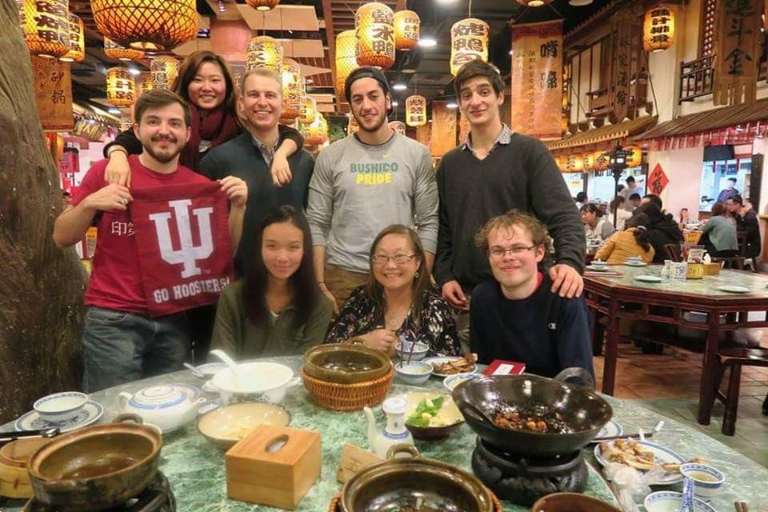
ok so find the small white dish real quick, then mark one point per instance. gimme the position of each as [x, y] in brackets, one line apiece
[433, 361]
[635, 263]
[452, 381]
[648, 279]
[661, 454]
[707, 480]
[406, 350]
[730, 288]
[415, 372]
[60, 407]
[89, 413]
[210, 369]
[612, 428]
[598, 268]
[669, 501]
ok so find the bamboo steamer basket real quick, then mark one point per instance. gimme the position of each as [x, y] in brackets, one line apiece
[14, 479]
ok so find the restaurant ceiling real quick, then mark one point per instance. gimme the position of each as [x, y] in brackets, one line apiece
[308, 29]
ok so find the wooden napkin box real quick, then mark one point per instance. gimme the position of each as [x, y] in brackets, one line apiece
[274, 466]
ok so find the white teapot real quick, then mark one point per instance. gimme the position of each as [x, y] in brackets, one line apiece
[169, 407]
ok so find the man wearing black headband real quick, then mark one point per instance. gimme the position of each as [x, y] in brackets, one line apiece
[364, 183]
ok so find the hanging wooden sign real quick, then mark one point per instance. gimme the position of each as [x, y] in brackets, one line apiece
[737, 51]
[53, 93]
[621, 67]
[537, 81]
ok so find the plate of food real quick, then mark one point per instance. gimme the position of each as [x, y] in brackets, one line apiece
[641, 455]
[431, 415]
[612, 428]
[443, 366]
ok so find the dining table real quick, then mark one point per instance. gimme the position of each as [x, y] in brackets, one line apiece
[196, 470]
[626, 292]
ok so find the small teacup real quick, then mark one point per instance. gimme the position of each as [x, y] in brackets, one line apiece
[707, 480]
[60, 407]
[599, 264]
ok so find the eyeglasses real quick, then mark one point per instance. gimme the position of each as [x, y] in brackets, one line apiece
[399, 259]
[500, 252]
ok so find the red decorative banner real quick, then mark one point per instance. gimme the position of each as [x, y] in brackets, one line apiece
[185, 254]
[657, 181]
[537, 81]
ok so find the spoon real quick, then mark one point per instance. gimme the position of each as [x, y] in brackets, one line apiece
[195, 371]
[231, 363]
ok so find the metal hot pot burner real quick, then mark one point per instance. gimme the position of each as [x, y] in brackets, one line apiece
[522, 466]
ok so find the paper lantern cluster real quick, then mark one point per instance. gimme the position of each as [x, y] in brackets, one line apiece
[146, 24]
[469, 41]
[164, 70]
[416, 110]
[597, 160]
[346, 58]
[375, 30]
[659, 28]
[264, 52]
[316, 132]
[293, 89]
[121, 90]
[119, 52]
[407, 27]
[308, 110]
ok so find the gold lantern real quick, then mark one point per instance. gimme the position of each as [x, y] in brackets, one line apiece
[575, 163]
[416, 110]
[634, 156]
[263, 5]
[346, 58]
[121, 91]
[398, 126]
[264, 52]
[469, 41]
[293, 89]
[562, 162]
[164, 69]
[144, 83]
[352, 126]
[116, 51]
[589, 161]
[315, 132]
[146, 24]
[45, 25]
[308, 110]
[658, 28]
[600, 161]
[407, 24]
[375, 30]
[76, 51]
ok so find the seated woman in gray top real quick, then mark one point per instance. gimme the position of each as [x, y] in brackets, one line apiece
[276, 309]
[719, 233]
[596, 225]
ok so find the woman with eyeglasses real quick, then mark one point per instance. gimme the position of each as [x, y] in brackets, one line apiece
[596, 225]
[397, 301]
[277, 309]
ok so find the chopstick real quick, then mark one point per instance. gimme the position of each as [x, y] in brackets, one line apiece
[740, 506]
[14, 436]
[640, 435]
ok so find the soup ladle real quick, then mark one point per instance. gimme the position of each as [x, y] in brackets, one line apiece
[231, 363]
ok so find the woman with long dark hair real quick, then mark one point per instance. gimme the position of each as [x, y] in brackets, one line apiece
[632, 242]
[719, 234]
[622, 214]
[397, 301]
[277, 309]
[205, 82]
[596, 225]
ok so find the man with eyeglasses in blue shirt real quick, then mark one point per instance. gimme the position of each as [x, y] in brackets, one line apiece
[516, 316]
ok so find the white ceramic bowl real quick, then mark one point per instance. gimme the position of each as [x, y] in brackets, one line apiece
[256, 382]
[451, 381]
[60, 407]
[210, 369]
[669, 501]
[599, 264]
[403, 350]
[707, 480]
[414, 372]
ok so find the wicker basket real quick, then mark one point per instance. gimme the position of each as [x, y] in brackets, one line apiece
[348, 397]
[336, 504]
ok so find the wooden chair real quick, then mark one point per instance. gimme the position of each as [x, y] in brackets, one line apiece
[741, 236]
[673, 252]
[736, 262]
[734, 358]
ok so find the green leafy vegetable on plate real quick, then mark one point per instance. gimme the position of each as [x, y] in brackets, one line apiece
[425, 411]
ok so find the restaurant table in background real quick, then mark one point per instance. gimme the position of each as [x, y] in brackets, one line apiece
[196, 468]
[623, 296]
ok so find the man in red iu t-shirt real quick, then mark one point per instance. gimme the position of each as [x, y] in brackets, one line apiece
[121, 342]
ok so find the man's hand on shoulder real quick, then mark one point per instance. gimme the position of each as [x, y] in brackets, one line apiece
[111, 197]
[453, 293]
[236, 190]
[281, 171]
[566, 281]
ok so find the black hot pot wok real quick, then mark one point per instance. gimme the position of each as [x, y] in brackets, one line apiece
[480, 399]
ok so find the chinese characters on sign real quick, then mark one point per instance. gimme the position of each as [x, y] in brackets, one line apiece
[45, 26]
[407, 27]
[737, 52]
[659, 28]
[375, 30]
[416, 110]
[53, 93]
[537, 80]
[469, 41]
[621, 69]
[657, 181]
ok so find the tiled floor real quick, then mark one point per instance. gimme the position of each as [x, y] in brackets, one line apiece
[669, 384]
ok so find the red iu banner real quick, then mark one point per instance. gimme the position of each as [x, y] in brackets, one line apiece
[184, 251]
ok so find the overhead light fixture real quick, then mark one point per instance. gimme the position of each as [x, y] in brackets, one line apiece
[427, 41]
[399, 86]
[534, 3]
[134, 71]
[408, 71]
[451, 104]
[115, 111]
[579, 3]
[395, 103]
